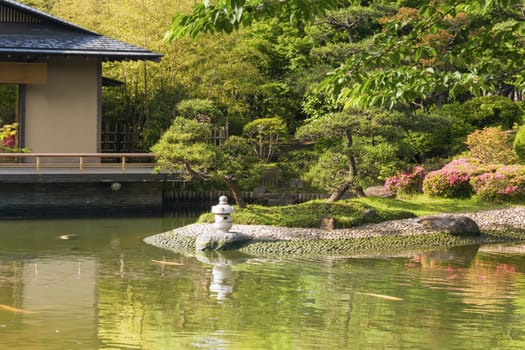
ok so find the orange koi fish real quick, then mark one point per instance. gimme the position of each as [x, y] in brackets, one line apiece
[14, 309]
[380, 296]
[170, 263]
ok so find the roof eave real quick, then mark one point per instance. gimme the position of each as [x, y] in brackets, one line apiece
[45, 16]
[103, 55]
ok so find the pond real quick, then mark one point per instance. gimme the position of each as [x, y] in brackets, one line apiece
[93, 284]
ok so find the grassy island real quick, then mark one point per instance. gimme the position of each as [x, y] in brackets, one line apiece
[294, 229]
[352, 212]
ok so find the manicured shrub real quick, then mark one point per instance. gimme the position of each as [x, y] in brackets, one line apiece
[468, 166]
[453, 180]
[448, 138]
[459, 120]
[491, 146]
[296, 162]
[447, 184]
[519, 144]
[505, 184]
[265, 135]
[495, 111]
[406, 182]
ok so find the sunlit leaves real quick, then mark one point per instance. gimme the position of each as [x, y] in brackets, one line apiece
[406, 85]
[264, 135]
[228, 15]
[184, 143]
[444, 50]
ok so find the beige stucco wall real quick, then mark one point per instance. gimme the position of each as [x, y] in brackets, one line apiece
[64, 114]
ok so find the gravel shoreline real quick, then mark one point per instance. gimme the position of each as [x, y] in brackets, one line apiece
[510, 219]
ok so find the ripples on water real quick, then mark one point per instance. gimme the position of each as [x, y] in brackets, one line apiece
[105, 289]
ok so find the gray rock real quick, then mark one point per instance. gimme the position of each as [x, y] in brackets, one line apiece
[370, 214]
[220, 240]
[453, 224]
[379, 191]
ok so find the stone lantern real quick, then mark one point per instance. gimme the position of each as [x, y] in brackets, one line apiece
[223, 219]
[222, 238]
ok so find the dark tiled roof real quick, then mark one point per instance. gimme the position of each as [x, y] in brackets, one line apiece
[27, 32]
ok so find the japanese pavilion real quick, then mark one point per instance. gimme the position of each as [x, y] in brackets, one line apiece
[57, 67]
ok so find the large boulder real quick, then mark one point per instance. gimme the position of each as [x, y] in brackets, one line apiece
[220, 240]
[379, 191]
[454, 224]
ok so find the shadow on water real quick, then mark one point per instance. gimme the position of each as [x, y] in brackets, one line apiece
[456, 256]
[460, 257]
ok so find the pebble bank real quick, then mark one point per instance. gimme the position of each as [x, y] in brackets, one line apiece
[497, 225]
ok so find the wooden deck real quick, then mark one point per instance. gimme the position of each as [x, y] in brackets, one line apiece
[80, 167]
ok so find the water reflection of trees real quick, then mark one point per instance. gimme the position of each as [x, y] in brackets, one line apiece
[447, 299]
[11, 286]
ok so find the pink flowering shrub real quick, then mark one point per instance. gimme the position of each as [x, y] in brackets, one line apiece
[468, 166]
[448, 184]
[406, 182]
[506, 183]
[453, 180]
[463, 177]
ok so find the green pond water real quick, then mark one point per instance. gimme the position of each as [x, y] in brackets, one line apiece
[103, 289]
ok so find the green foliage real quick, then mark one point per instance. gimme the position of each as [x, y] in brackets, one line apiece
[377, 160]
[449, 125]
[351, 212]
[184, 145]
[357, 149]
[235, 158]
[377, 53]
[199, 109]
[334, 125]
[433, 54]
[158, 113]
[350, 24]
[491, 146]
[330, 172]
[448, 135]
[236, 124]
[8, 101]
[264, 135]
[519, 144]
[309, 214]
[297, 162]
[229, 15]
[482, 112]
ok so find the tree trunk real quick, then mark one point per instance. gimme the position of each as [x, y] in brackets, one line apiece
[359, 191]
[338, 193]
[235, 190]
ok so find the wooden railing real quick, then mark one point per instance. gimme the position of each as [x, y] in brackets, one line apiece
[74, 160]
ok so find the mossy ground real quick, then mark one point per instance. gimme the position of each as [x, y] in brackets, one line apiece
[351, 212]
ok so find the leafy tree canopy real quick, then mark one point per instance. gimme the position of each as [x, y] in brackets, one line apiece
[228, 15]
[434, 54]
[186, 147]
